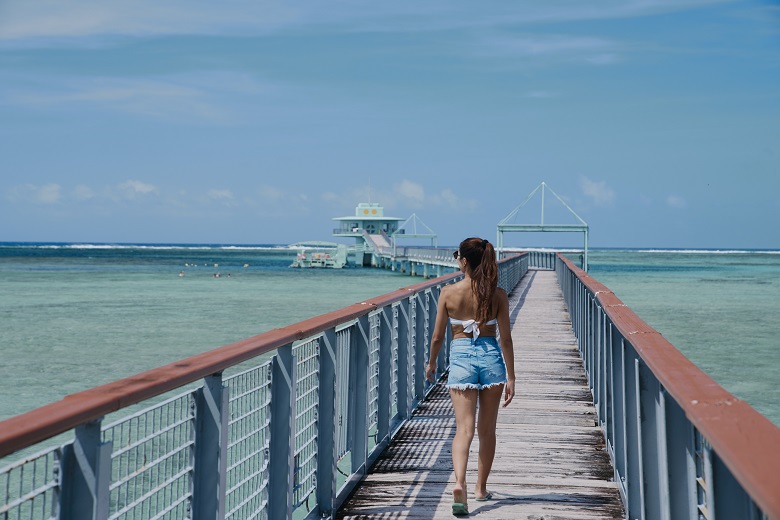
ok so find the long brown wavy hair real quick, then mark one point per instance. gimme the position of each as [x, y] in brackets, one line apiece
[481, 256]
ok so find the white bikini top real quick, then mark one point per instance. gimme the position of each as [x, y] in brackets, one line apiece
[471, 326]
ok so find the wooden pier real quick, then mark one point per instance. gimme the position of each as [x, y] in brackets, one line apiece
[550, 461]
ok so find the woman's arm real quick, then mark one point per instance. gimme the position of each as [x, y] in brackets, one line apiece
[507, 347]
[439, 329]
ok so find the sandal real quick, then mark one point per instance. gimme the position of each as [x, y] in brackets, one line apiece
[487, 497]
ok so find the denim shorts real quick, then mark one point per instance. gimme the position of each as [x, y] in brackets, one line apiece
[476, 364]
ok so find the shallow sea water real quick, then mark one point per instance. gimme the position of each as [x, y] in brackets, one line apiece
[76, 317]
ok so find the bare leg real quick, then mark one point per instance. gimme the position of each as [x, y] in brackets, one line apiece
[489, 401]
[464, 402]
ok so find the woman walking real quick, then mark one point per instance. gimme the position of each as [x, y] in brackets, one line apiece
[475, 308]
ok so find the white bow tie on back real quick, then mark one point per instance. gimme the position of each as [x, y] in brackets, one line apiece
[472, 327]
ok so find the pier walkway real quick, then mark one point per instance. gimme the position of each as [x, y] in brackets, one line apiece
[551, 460]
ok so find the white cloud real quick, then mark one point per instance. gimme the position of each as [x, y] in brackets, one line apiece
[51, 18]
[449, 198]
[547, 45]
[675, 201]
[85, 18]
[220, 194]
[412, 192]
[132, 188]
[82, 192]
[271, 193]
[541, 94]
[598, 192]
[606, 58]
[49, 193]
[32, 193]
[190, 97]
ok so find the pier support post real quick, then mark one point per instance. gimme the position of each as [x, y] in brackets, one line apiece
[86, 475]
[210, 453]
[281, 465]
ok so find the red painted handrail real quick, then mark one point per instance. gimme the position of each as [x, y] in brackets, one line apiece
[746, 441]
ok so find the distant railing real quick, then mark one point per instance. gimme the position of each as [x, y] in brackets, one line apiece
[436, 255]
[322, 398]
[681, 445]
[542, 259]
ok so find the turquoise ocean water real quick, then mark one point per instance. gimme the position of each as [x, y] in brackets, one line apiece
[76, 316]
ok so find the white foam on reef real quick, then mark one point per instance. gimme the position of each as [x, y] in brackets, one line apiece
[712, 251]
[160, 247]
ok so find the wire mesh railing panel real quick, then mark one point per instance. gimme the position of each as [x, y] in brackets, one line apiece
[343, 348]
[29, 488]
[373, 370]
[151, 461]
[248, 443]
[307, 356]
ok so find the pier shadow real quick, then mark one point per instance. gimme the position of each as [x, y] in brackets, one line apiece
[413, 473]
[604, 505]
[518, 295]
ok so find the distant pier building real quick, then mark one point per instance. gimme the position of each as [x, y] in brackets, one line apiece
[370, 228]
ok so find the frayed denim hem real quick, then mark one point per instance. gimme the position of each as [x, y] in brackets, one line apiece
[464, 386]
[473, 386]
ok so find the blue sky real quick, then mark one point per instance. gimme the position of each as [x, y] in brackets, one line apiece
[657, 121]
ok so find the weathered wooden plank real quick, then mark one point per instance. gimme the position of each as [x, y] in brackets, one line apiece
[550, 461]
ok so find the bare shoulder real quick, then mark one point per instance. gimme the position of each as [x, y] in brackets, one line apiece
[500, 298]
[447, 291]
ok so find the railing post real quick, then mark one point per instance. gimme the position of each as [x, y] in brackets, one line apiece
[403, 359]
[633, 445]
[86, 475]
[359, 391]
[441, 362]
[281, 465]
[731, 500]
[326, 427]
[385, 373]
[680, 462]
[210, 452]
[662, 453]
[420, 342]
[653, 435]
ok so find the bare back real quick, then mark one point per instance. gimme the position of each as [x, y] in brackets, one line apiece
[460, 303]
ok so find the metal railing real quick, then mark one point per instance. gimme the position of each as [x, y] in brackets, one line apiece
[681, 445]
[542, 259]
[434, 255]
[287, 437]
